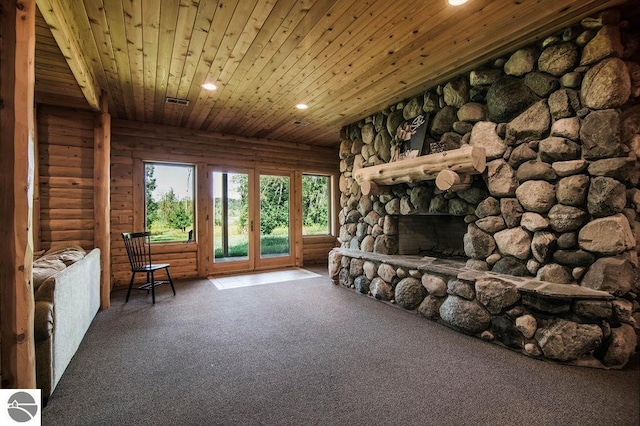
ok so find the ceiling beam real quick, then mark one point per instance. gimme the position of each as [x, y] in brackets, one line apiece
[63, 24]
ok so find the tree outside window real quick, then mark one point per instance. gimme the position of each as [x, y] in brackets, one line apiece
[315, 205]
[169, 201]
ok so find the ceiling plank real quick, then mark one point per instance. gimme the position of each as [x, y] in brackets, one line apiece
[62, 22]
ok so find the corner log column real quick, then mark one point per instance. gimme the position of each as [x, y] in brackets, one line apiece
[468, 160]
[101, 201]
[17, 174]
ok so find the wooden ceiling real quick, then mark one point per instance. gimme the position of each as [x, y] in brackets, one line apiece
[346, 59]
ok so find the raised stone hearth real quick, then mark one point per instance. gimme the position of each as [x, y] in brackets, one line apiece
[549, 233]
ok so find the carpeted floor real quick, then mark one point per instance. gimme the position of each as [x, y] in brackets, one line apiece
[311, 353]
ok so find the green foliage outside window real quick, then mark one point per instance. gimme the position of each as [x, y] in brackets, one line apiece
[168, 216]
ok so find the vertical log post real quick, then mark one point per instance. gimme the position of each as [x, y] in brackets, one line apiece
[17, 164]
[101, 200]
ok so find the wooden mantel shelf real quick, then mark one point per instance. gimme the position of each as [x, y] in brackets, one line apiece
[452, 169]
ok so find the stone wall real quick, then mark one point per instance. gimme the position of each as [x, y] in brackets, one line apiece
[559, 201]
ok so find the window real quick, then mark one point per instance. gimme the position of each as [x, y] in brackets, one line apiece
[169, 201]
[315, 205]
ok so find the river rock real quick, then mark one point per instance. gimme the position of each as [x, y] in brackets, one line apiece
[564, 103]
[514, 242]
[361, 284]
[412, 109]
[368, 133]
[567, 240]
[572, 190]
[532, 124]
[571, 80]
[554, 149]
[543, 245]
[456, 92]
[409, 293]
[501, 179]
[393, 121]
[527, 325]
[356, 267]
[600, 134]
[608, 235]
[622, 345]
[610, 274]
[568, 168]
[566, 128]
[334, 264]
[554, 273]
[464, 315]
[380, 289]
[606, 85]
[521, 154]
[511, 211]
[558, 59]
[460, 288]
[430, 307]
[370, 270]
[567, 341]
[606, 43]
[606, 197]
[496, 295]
[510, 266]
[574, 258]
[533, 169]
[443, 121]
[387, 272]
[533, 222]
[367, 244]
[434, 285]
[484, 76]
[507, 98]
[536, 195]
[491, 224]
[473, 195]
[477, 243]
[541, 84]
[488, 207]
[566, 218]
[472, 112]
[484, 136]
[521, 62]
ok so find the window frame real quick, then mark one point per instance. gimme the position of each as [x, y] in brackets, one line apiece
[330, 232]
[194, 197]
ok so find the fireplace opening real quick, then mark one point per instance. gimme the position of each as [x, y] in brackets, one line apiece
[432, 235]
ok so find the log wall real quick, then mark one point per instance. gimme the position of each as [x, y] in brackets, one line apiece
[134, 142]
[65, 157]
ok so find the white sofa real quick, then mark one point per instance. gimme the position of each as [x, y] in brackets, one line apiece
[67, 298]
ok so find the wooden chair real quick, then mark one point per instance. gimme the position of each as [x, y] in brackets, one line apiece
[138, 247]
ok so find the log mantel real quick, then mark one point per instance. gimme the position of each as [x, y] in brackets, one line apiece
[468, 160]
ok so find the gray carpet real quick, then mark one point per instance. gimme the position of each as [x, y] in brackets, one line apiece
[311, 353]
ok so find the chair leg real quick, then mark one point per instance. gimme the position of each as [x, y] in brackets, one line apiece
[170, 280]
[153, 288]
[133, 275]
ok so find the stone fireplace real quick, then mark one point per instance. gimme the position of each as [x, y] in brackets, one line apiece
[548, 234]
[431, 235]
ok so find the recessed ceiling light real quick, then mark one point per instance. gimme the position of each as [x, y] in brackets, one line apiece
[209, 86]
[456, 2]
[302, 106]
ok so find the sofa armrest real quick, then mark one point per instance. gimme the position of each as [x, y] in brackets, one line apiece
[43, 320]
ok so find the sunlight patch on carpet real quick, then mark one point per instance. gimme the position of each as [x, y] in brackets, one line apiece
[259, 278]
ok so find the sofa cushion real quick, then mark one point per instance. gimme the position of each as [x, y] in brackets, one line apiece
[43, 268]
[67, 253]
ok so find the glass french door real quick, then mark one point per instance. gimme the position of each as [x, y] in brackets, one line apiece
[274, 233]
[251, 220]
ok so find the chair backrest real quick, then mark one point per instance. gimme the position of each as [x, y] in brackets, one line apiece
[138, 248]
